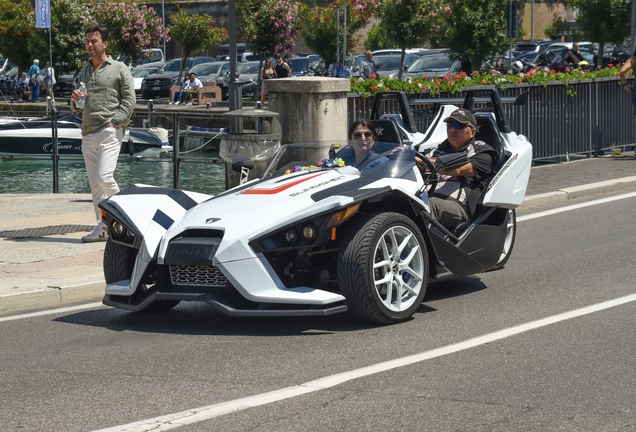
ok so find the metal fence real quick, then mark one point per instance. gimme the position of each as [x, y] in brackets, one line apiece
[588, 117]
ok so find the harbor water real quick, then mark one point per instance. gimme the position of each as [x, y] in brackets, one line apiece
[202, 172]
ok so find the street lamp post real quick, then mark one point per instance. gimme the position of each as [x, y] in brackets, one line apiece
[163, 25]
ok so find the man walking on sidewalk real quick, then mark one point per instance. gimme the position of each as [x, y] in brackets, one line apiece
[107, 108]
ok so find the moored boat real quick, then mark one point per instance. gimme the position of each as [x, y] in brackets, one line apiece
[32, 138]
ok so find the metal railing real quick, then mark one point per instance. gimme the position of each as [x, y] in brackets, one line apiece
[596, 117]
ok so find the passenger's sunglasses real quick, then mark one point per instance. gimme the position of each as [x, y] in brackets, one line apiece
[456, 125]
[359, 135]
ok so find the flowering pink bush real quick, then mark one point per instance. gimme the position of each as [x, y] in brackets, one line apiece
[269, 27]
[133, 27]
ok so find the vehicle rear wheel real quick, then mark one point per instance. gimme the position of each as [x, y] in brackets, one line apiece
[118, 265]
[383, 268]
[509, 242]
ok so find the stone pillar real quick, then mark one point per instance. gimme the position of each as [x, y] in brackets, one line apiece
[310, 108]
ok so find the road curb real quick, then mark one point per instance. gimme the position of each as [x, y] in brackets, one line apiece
[94, 291]
[574, 192]
[52, 297]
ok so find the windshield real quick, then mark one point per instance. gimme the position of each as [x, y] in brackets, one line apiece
[299, 65]
[333, 154]
[248, 68]
[390, 63]
[431, 63]
[206, 69]
[141, 73]
[175, 65]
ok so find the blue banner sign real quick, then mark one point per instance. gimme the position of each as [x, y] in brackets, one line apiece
[42, 14]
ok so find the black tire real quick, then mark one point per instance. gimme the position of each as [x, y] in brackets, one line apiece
[509, 242]
[118, 265]
[367, 244]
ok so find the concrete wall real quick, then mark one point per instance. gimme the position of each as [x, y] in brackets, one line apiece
[310, 108]
[543, 13]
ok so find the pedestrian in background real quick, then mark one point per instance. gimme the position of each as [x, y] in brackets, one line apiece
[342, 71]
[107, 108]
[22, 87]
[34, 80]
[629, 64]
[193, 88]
[179, 95]
[49, 80]
[282, 68]
[368, 66]
[267, 72]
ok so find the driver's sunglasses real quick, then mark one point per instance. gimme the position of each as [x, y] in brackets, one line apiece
[359, 135]
[456, 125]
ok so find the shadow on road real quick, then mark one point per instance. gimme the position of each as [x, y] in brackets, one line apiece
[195, 318]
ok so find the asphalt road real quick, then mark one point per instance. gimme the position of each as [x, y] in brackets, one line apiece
[82, 370]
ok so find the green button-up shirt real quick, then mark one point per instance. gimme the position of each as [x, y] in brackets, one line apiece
[110, 95]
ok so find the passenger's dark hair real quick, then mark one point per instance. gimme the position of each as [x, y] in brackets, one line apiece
[364, 123]
[103, 31]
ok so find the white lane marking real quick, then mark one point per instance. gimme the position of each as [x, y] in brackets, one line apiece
[204, 413]
[52, 311]
[575, 206]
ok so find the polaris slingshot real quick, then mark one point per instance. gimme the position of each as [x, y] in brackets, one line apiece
[315, 240]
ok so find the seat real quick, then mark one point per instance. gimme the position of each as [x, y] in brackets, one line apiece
[488, 132]
[387, 131]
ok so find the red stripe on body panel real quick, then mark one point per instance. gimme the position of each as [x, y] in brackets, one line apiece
[257, 191]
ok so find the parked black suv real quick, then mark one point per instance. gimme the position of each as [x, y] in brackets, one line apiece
[158, 84]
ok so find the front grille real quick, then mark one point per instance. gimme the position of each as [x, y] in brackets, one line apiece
[158, 82]
[209, 276]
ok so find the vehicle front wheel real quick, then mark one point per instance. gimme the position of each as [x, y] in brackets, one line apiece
[119, 261]
[383, 268]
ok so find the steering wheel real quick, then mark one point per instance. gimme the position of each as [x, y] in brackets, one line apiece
[430, 175]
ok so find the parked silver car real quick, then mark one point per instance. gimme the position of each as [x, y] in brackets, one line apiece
[431, 65]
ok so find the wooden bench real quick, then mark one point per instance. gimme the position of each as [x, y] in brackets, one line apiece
[210, 92]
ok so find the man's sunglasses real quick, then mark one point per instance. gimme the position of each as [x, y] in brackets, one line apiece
[359, 135]
[456, 125]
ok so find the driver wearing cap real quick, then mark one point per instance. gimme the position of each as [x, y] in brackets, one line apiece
[464, 166]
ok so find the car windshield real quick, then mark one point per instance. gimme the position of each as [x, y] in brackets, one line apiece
[313, 156]
[140, 73]
[431, 63]
[206, 69]
[386, 63]
[175, 65]
[248, 68]
[299, 65]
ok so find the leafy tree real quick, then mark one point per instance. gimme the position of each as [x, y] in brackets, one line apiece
[195, 32]
[603, 21]
[69, 19]
[475, 30]
[133, 27]
[17, 20]
[410, 23]
[270, 27]
[319, 29]
[377, 38]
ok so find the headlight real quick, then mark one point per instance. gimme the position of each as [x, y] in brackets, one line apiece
[309, 232]
[291, 236]
[118, 229]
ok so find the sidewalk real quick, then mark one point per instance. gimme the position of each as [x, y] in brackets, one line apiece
[51, 267]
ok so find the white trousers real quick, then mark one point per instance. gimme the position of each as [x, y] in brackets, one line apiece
[101, 150]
